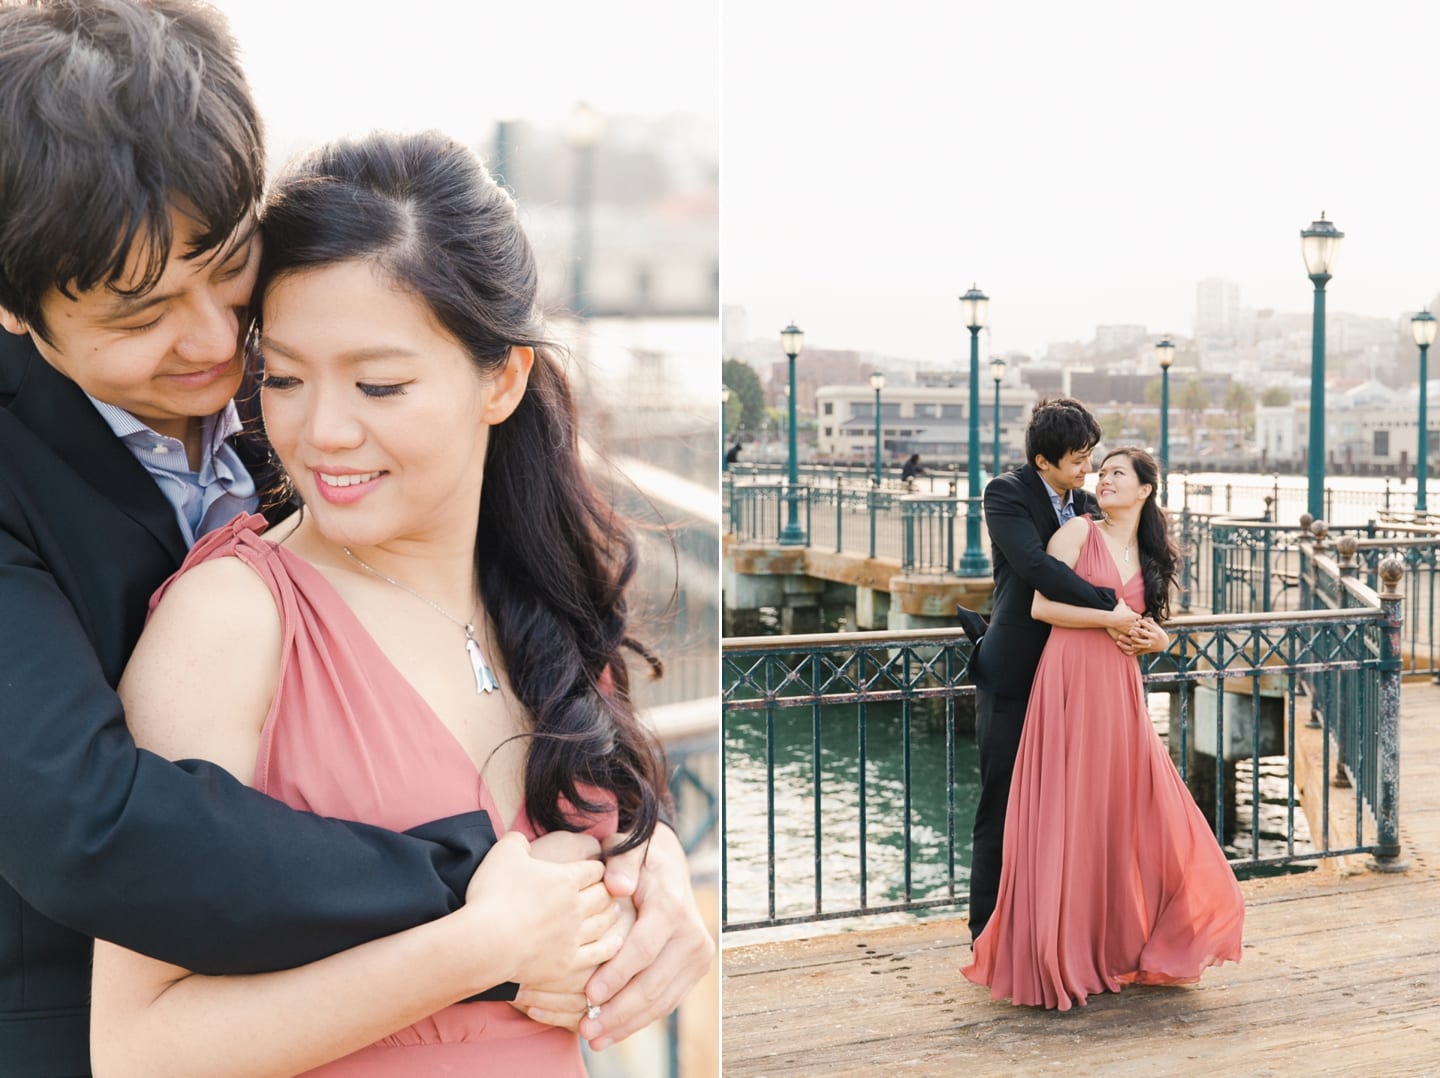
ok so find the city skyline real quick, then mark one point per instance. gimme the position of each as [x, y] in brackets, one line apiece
[1083, 166]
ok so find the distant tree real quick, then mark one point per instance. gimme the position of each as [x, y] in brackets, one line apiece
[1275, 397]
[1240, 403]
[745, 383]
[1112, 427]
[1193, 399]
[1150, 431]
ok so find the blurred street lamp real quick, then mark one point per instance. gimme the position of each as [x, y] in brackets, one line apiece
[1423, 327]
[877, 382]
[997, 372]
[792, 339]
[1165, 355]
[974, 305]
[582, 130]
[1319, 244]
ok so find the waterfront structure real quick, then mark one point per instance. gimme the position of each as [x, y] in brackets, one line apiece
[930, 420]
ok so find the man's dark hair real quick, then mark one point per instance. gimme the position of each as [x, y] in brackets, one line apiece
[111, 113]
[1058, 427]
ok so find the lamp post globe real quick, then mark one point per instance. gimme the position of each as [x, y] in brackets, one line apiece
[974, 306]
[997, 372]
[1319, 246]
[1422, 326]
[792, 340]
[877, 383]
[1165, 355]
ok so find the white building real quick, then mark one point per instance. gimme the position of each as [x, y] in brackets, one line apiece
[1277, 432]
[933, 421]
[1368, 427]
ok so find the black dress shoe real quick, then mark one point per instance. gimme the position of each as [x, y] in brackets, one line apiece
[971, 623]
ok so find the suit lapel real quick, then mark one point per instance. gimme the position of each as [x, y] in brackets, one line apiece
[59, 414]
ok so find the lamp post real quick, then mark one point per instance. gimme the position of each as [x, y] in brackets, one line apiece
[997, 372]
[877, 383]
[974, 305]
[1319, 244]
[1165, 355]
[792, 339]
[1423, 326]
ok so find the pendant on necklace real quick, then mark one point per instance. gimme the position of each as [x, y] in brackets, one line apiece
[484, 677]
[1127, 553]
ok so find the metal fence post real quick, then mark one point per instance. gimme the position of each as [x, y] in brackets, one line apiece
[907, 521]
[1387, 801]
[950, 515]
[872, 498]
[1190, 554]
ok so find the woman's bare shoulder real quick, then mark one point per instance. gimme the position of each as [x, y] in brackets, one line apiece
[200, 681]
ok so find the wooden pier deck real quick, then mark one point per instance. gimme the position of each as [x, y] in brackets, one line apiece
[1340, 975]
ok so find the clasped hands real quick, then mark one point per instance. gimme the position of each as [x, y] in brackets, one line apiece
[657, 946]
[1134, 634]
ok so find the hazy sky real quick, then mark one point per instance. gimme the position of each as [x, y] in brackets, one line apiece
[1083, 163]
[322, 68]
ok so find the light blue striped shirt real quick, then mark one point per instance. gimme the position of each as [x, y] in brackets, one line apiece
[203, 499]
[1064, 507]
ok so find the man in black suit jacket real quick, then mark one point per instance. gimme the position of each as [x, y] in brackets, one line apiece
[1023, 509]
[160, 144]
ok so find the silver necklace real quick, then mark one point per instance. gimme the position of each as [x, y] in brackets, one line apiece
[1128, 545]
[484, 677]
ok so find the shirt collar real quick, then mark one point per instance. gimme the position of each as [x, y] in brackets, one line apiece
[214, 429]
[1055, 499]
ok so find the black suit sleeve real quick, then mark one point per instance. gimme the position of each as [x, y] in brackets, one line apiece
[181, 862]
[1013, 530]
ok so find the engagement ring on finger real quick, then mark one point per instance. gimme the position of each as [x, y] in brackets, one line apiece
[592, 1010]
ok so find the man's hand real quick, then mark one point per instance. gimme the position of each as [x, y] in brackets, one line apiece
[1122, 640]
[668, 948]
[1142, 638]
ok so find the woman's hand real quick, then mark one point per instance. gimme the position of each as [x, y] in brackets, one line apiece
[670, 949]
[1146, 636]
[545, 919]
[564, 1003]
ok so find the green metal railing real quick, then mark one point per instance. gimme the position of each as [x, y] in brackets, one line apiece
[1287, 500]
[1257, 565]
[1228, 564]
[848, 687]
[916, 530]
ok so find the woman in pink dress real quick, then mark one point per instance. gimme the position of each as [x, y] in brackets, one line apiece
[1111, 876]
[411, 648]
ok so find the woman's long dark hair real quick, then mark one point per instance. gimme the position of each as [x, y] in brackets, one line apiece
[1159, 557]
[554, 560]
